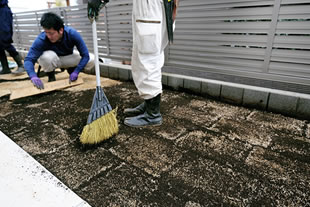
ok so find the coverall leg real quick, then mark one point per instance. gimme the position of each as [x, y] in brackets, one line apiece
[149, 41]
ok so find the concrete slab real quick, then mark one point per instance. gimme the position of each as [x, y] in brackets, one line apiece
[124, 74]
[153, 160]
[164, 80]
[113, 73]
[232, 94]
[211, 89]
[24, 182]
[175, 82]
[192, 86]
[303, 108]
[255, 99]
[282, 103]
[241, 94]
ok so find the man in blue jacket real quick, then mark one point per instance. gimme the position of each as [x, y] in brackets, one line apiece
[6, 34]
[54, 48]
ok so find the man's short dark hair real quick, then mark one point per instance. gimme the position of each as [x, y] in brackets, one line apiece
[51, 20]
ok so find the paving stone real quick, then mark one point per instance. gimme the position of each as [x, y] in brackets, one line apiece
[67, 162]
[278, 169]
[124, 74]
[175, 82]
[246, 131]
[42, 144]
[192, 85]
[172, 133]
[200, 175]
[303, 108]
[232, 94]
[113, 73]
[278, 123]
[207, 113]
[211, 89]
[255, 99]
[164, 80]
[286, 145]
[157, 158]
[282, 104]
[215, 145]
[104, 71]
[117, 190]
[203, 118]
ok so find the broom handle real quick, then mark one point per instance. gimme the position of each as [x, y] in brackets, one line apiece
[95, 43]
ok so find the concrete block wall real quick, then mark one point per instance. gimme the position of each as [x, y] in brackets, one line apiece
[283, 102]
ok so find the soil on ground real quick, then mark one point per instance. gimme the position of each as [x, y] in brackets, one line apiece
[206, 153]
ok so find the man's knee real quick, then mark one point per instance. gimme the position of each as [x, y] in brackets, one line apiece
[49, 61]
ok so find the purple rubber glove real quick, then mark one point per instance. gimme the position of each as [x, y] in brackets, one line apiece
[37, 82]
[74, 76]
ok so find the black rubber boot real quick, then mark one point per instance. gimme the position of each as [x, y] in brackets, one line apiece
[51, 76]
[151, 116]
[20, 64]
[135, 111]
[4, 63]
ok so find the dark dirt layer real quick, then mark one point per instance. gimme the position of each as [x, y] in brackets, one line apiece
[206, 153]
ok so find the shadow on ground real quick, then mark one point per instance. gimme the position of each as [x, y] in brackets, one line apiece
[206, 153]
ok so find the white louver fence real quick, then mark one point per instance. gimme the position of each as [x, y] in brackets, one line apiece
[266, 40]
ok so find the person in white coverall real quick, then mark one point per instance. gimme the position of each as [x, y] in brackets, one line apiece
[150, 38]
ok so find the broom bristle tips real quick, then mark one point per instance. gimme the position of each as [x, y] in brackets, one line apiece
[100, 129]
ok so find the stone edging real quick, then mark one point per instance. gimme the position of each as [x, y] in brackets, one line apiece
[279, 101]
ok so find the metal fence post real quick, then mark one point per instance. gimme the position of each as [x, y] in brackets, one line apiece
[106, 30]
[38, 22]
[17, 32]
[271, 35]
[63, 13]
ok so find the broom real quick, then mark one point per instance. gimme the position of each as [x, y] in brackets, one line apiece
[101, 122]
[169, 5]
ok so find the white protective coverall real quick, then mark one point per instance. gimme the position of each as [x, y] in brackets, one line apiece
[149, 41]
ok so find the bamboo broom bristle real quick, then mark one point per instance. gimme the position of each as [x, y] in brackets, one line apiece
[100, 129]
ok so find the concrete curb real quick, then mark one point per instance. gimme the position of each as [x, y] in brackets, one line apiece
[279, 101]
[25, 182]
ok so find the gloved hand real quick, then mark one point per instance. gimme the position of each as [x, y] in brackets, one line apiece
[37, 82]
[73, 76]
[93, 8]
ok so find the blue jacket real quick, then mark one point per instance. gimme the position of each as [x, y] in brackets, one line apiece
[6, 20]
[65, 47]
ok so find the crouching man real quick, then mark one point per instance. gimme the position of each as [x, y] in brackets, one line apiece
[54, 48]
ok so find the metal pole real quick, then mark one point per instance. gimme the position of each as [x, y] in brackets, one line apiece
[95, 43]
